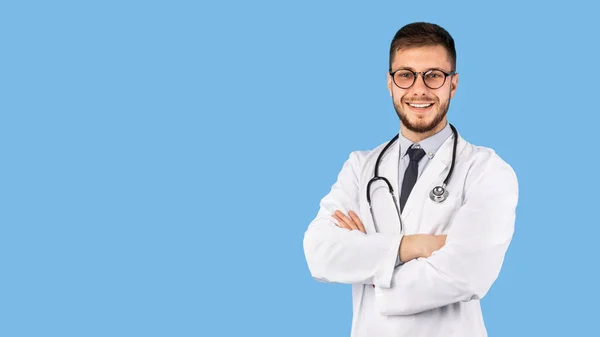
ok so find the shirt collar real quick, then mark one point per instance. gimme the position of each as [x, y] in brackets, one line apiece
[430, 144]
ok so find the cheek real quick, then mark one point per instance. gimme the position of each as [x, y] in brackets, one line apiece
[398, 96]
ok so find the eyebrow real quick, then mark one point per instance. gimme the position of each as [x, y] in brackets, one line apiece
[413, 69]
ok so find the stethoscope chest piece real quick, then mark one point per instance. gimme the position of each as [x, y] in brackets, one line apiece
[438, 193]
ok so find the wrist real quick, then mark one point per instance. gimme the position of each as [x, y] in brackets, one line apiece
[407, 250]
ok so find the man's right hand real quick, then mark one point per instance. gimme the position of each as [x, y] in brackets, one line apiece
[420, 245]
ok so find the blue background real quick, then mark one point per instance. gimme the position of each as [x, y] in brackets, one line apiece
[161, 160]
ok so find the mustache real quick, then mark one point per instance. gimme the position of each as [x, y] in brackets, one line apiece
[422, 100]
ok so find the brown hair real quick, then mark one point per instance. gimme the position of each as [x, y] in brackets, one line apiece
[422, 34]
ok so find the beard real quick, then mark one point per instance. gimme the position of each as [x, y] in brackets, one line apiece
[419, 127]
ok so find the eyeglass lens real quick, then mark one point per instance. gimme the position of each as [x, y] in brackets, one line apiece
[433, 79]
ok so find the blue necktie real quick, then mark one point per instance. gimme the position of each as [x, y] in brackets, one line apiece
[411, 174]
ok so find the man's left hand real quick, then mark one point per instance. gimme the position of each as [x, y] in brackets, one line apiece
[350, 221]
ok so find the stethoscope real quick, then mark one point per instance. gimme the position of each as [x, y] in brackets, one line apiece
[438, 194]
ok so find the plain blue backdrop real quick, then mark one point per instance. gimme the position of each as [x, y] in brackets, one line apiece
[161, 160]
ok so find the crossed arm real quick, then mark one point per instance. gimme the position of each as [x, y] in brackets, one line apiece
[438, 270]
[411, 246]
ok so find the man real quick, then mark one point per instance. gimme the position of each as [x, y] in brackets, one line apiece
[419, 262]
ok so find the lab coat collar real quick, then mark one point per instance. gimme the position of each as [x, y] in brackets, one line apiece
[430, 144]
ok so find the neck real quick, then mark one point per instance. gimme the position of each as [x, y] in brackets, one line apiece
[416, 137]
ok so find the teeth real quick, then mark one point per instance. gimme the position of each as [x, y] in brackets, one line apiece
[414, 105]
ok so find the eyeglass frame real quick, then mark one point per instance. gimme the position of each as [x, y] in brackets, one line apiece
[422, 73]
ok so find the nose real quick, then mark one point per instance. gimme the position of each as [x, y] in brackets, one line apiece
[419, 87]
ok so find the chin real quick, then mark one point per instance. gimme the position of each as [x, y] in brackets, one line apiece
[423, 120]
[418, 124]
[421, 128]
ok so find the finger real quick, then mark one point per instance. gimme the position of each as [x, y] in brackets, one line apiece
[340, 223]
[357, 221]
[336, 221]
[346, 220]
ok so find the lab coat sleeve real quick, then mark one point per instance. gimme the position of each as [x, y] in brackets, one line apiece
[470, 261]
[337, 255]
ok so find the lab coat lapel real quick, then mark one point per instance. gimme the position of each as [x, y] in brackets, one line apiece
[431, 176]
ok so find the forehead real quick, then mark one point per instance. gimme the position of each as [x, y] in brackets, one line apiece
[422, 58]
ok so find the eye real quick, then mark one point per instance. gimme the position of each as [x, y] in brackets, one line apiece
[404, 74]
[435, 74]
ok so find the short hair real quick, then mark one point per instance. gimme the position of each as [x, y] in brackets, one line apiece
[423, 34]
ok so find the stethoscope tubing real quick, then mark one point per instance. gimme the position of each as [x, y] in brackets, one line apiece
[437, 194]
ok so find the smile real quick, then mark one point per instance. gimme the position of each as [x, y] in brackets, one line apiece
[420, 105]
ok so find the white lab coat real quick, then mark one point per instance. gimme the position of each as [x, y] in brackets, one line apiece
[425, 297]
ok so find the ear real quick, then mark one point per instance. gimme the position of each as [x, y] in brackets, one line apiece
[453, 85]
[389, 83]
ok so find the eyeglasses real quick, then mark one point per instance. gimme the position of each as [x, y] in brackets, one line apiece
[433, 79]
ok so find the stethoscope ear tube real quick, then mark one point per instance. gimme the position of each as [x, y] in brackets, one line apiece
[440, 193]
[376, 173]
[374, 179]
[454, 146]
[391, 190]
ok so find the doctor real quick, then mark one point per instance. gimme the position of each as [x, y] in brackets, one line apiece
[422, 236]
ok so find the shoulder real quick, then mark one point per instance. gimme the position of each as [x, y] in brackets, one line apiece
[361, 159]
[484, 164]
